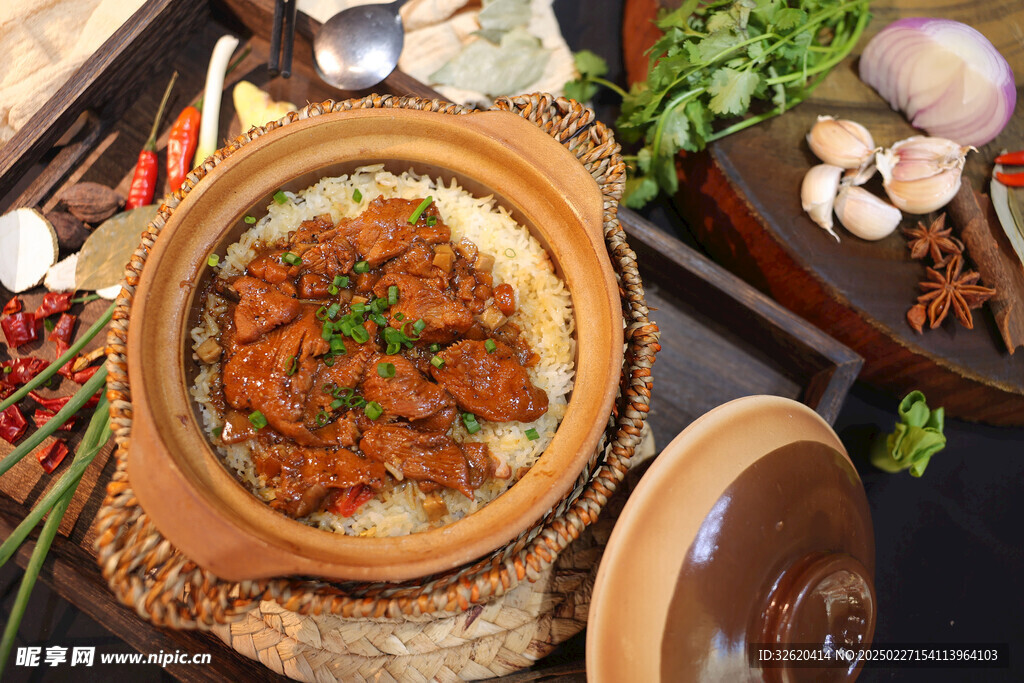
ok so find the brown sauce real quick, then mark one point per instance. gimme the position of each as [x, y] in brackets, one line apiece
[350, 350]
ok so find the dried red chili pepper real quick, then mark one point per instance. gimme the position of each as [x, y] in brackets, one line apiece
[42, 416]
[12, 306]
[12, 424]
[51, 455]
[55, 404]
[62, 331]
[54, 302]
[20, 370]
[143, 185]
[20, 328]
[351, 499]
[1011, 158]
[1011, 179]
[83, 376]
[6, 390]
[181, 145]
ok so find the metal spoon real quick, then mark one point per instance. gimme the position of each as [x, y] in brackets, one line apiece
[358, 47]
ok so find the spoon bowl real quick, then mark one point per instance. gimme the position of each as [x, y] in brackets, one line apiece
[358, 47]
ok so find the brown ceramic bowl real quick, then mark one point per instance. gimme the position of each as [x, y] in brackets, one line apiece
[751, 527]
[190, 496]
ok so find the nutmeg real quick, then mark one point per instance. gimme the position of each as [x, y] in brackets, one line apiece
[91, 202]
[71, 232]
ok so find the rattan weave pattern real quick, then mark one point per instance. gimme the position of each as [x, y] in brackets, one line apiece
[146, 572]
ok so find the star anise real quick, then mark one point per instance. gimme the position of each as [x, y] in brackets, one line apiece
[936, 240]
[953, 290]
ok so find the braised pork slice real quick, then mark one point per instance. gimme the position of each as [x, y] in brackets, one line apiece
[491, 385]
[307, 475]
[260, 309]
[420, 456]
[383, 230]
[425, 299]
[408, 394]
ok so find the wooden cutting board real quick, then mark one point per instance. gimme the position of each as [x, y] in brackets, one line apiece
[741, 200]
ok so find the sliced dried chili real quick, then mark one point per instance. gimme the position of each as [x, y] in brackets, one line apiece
[20, 370]
[51, 455]
[59, 402]
[12, 306]
[42, 416]
[63, 331]
[83, 376]
[54, 302]
[20, 328]
[12, 424]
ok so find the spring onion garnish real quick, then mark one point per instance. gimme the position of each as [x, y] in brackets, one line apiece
[290, 258]
[293, 366]
[434, 348]
[373, 410]
[379, 305]
[329, 360]
[532, 434]
[327, 331]
[420, 209]
[213, 260]
[360, 335]
[337, 403]
[469, 420]
[249, 220]
[258, 420]
[280, 197]
[333, 290]
[340, 281]
[361, 267]
[333, 310]
[419, 326]
[379, 319]
[431, 220]
[321, 418]
[359, 307]
[386, 369]
[338, 346]
[510, 252]
[437, 361]
[490, 346]
[392, 295]
[217, 431]
[357, 196]
[391, 350]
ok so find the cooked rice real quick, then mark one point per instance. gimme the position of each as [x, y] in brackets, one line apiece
[544, 315]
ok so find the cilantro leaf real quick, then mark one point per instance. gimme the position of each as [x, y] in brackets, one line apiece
[590, 64]
[731, 90]
[639, 190]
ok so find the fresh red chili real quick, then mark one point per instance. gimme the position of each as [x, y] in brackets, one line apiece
[12, 424]
[54, 302]
[51, 455]
[143, 185]
[12, 306]
[1011, 158]
[352, 499]
[62, 331]
[181, 146]
[20, 328]
[20, 370]
[1011, 179]
[42, 416]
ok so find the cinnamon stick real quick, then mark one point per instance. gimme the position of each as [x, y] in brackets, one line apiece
[995, 259]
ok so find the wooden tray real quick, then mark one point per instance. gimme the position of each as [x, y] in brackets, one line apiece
[747, 214]
[721, 339]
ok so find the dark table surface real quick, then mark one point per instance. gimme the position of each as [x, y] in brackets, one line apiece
[949, 546]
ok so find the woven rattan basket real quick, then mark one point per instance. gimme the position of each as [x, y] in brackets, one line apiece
[146, 572]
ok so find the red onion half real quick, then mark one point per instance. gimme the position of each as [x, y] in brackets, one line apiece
[945, 76]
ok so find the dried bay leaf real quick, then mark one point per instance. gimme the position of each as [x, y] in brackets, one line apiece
[110, 246]
[494, 70]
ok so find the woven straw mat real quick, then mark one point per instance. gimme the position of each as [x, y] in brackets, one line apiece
[147, 573]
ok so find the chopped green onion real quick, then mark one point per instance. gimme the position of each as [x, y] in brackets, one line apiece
[293, 366]
[321, 313]
[49, 324]
[333, 290]
[532, 434]
[333, 310]
[386, 369]
[373, 410]
[249, 219]
[291, 259]
[391, 350]
[338, 346]
[321, 418]
[431, 220]
[437, 361]
[361, 267]
[510, 252]
[357, 196]
[379, 319]
[359, 307]
[399, 316]
[435, 347]
[420, 209]
[469, 420]
[337, 403]
[213, 260]
[332, 388]
[280, 197]
[347, 326]
[258, 419]
[490, 346]
[360, 335]
[327, 331]
[340, 281]
[329, 360]
[392, 295]
[379, 305]
[419, 326]
[217, 431]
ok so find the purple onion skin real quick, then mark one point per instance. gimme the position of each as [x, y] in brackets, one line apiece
[1002, 79]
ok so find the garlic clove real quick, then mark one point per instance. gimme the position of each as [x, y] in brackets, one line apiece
[865, 215]
[925, 194]
[859, 176]
[842, 143]
[922, 174]
[818, 194]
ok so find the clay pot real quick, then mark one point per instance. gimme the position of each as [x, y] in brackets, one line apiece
[750, 528]
[190, 496]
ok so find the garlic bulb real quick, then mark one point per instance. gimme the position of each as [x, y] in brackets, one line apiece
[841, 143]
[818, 194]
[922, 174]
[864, 214]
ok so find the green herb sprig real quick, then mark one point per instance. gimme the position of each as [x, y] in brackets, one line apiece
[915, 439]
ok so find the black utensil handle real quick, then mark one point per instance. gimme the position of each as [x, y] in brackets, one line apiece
[289, 37]
[275, 37]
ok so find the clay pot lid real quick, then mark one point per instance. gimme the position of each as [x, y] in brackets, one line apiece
[750, 528]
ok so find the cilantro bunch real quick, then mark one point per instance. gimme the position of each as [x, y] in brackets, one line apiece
[714, 60]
